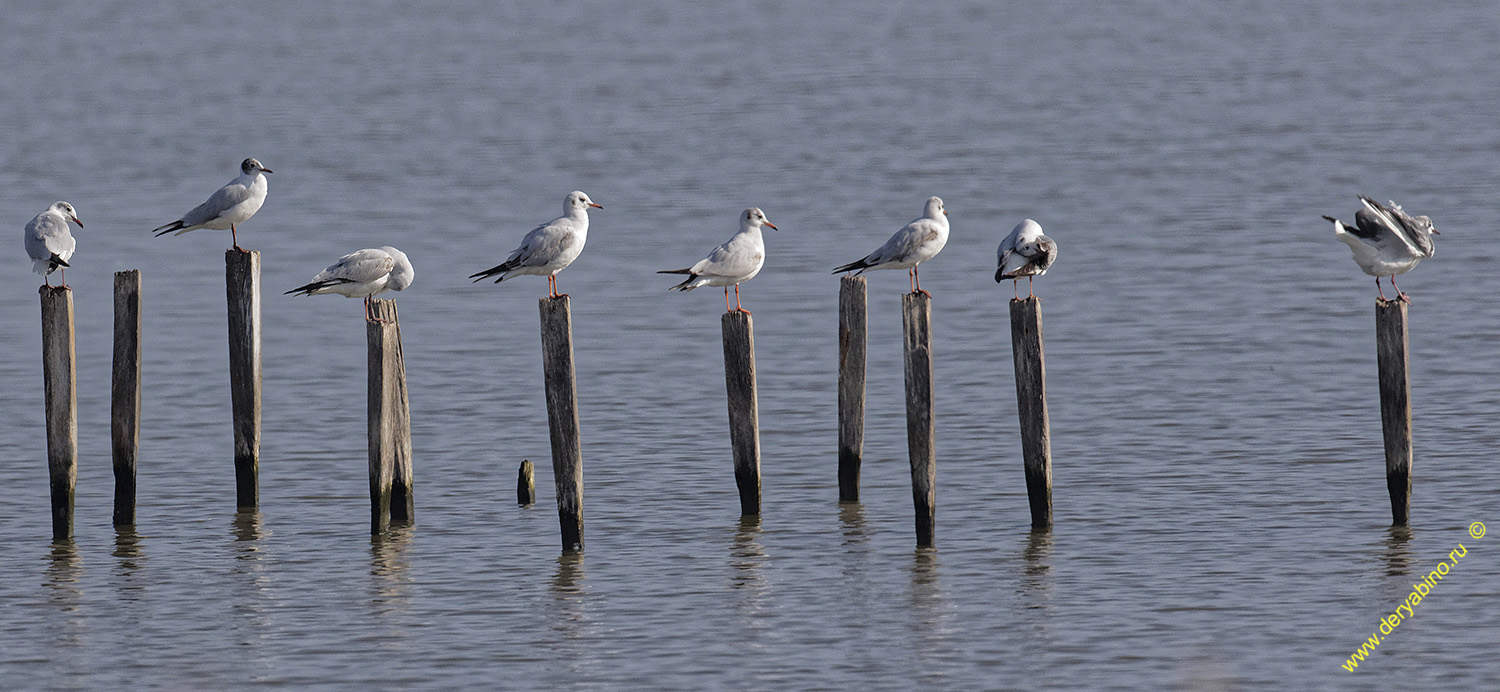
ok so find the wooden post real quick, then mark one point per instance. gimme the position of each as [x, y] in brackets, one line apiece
[916, 313]
[61, 393]
[125, 393]
[242, 280]
[562, 417]
[744, 416]
[1395, 404]
[526, 484]
[852, 346]
[387, 434]
[403, 499]
[1031, 405]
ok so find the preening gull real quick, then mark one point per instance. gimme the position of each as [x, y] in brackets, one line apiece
[363, 274]
[1386, 241]
[1025, 252]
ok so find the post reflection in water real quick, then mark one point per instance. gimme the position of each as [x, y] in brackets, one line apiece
[746, 555]
[62, 577]
[852, 521]
[247, 550]
[132, 559]
[1036, 580]
[569, 595]
[389, 567]
[1397, 551]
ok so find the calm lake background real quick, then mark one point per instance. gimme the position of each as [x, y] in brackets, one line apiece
[1221, 513]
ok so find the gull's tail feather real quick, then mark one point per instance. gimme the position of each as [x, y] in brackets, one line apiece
[168, 228]
[859, 264]
[314, 287]
[58, 261]
[500, 269]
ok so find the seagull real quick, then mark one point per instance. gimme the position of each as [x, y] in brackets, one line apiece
[1386, 241]
[1025, 252]
[914, 244]
[735, 261]
[363, 274]
[550, 247]
[229, 207]
[49, 242]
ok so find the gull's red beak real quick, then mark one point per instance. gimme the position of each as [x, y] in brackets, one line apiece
[75, 220]
[263, 169]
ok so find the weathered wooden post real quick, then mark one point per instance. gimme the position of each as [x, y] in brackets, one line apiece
[125, 393]
[562, 417]
[1395, 404]
[744, 416]
[389, 433]
[853, 304]
[242, 280]
[916, 313]
[61, 393]
[526, 484]
[403, 498]
[1031, 405]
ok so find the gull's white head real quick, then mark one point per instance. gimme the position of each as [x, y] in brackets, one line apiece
[935, 208]
[1028, 229]
[755, 218]
[251, 167]
[578, 203]
[401, 274]
[67, 211]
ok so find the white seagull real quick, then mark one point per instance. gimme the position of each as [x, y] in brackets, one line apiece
[363, 274]
[550, 247]
[914, 244]
[227, 208]
[1025, 252]
[1386, 241]
[737, 260]
[49, 242]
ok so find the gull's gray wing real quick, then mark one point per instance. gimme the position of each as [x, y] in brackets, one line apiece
[220, 202]
[541, 245]
[737, 257]
[905, 242]
[48, 235]
[1382, 221]
[363, 266]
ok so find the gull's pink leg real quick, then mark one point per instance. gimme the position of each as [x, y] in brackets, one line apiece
[1400, 294]
[1029, 289]
[737, 300]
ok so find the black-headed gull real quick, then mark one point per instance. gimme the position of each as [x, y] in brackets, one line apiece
[49, 241]
[1386, 241]
[737, 260]
[363, 274]
[228, 207]
[914, 244]
[550, 247]
[1025, 252]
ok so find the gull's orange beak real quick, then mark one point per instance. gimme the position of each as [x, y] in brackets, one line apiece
[596, 206]
[945, 212]
[773, 226]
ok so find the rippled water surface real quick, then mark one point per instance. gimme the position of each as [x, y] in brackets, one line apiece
[1222, 520]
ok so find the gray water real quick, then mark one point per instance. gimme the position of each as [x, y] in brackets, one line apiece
[1221, 512]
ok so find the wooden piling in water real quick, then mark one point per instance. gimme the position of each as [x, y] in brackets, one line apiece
[526, 484]
[389, 430]
[916, 314]
[562, 417]
[1031, 406]
[853, 305]
[403, 497]
[61, 394]
[1395, 404]
[125, 393]
[242, 281]
[744, 416]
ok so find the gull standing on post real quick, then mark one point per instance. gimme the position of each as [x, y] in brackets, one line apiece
[227, 208]
[49, 242]
[914, 244]
[550, 247]
[1025, 252]
[1386, 241]
[363, 274]
[737, 260]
